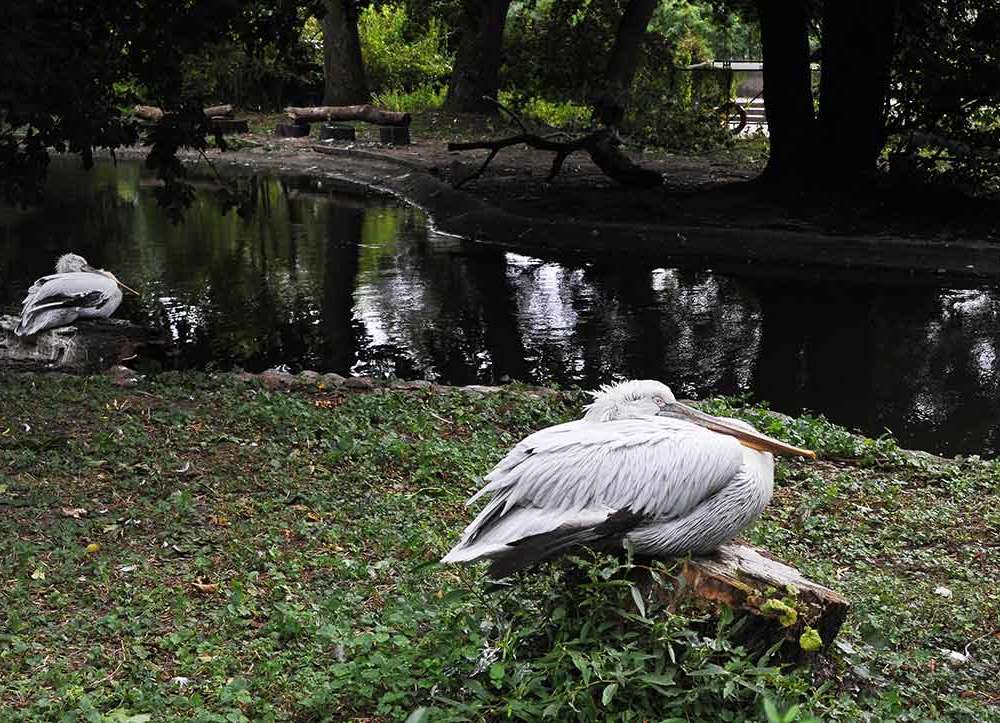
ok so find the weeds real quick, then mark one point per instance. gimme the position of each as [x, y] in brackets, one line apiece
[249, 555]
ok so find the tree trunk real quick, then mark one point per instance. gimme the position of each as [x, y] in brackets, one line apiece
[784, 34]
[854, 88]
[613, 97]
[477, 64]
[343, 69]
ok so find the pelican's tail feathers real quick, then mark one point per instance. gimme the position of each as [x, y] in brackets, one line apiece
[29, 324]
[523, 536]
[534, 549]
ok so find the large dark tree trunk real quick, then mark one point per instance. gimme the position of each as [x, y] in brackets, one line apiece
[612, 98]
[858, 38]
[477, 63]
[784, 34]
[343, 68]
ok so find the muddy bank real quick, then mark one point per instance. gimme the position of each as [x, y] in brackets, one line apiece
[582, 214]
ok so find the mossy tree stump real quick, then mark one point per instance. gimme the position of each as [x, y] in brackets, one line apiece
[785, 605]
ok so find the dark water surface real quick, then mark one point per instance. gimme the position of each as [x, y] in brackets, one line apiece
[337, 283]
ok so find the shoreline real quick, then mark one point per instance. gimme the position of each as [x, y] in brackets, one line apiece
[462, 214]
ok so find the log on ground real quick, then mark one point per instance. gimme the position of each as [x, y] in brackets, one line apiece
[85, 346]
[785, 604]
[155, 115]
[366, 113]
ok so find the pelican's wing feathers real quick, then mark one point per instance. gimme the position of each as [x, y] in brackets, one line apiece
[55, 299]
[654, 466]
[574, 479]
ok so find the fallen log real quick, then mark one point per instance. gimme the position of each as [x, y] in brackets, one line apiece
[603, 146]
[155, 115]
[366, 113]
[786, 605]
[85, 346]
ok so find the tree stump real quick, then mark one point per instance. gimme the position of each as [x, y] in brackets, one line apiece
[786, 606]
[394, 135]
[336, 132]
[85, 346]
[292, 130]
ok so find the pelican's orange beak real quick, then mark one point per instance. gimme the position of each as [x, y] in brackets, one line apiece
[747, 437]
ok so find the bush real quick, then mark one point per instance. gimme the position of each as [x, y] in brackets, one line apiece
[559, 114]
[396, 61]
[426, 97]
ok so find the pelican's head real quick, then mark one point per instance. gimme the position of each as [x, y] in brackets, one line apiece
[72, 263]
[624, 400]
[647, 397]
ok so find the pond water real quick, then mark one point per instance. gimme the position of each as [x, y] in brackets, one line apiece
[364, 286]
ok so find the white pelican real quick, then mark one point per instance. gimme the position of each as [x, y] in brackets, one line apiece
[75, 291]
[639, 469]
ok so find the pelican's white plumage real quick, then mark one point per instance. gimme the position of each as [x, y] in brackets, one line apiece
[625, 473]
[75, 291]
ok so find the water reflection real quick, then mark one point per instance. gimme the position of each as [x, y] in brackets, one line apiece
[340, 284]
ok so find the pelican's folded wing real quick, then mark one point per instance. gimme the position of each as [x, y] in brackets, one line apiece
[571, 479]
[51, 299]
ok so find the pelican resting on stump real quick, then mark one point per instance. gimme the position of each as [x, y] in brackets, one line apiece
[640, 469]
[75, 291]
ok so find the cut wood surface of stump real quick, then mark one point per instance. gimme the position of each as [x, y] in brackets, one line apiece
[784, 603]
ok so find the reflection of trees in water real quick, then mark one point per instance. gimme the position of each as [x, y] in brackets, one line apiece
[434, 305]
[908, 359]
[339, 333]
[480, 314]
[696, 331]
[956, 400]
[292, 285]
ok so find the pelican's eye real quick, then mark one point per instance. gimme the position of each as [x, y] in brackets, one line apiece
[660, 402]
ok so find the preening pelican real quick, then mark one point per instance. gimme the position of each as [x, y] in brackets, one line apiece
[75, 291]
[640, 468]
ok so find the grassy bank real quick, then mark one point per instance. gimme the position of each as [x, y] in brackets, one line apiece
[202, 548]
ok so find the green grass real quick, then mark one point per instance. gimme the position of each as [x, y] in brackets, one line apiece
[267, 555]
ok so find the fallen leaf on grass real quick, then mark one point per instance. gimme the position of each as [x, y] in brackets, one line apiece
[205, 588]
[94, 547]
[38, 574]
[74, 512]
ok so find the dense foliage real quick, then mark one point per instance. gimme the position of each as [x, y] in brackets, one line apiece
[72, 71]
[946, 90]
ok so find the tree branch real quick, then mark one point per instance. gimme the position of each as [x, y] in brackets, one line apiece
[603, 146]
